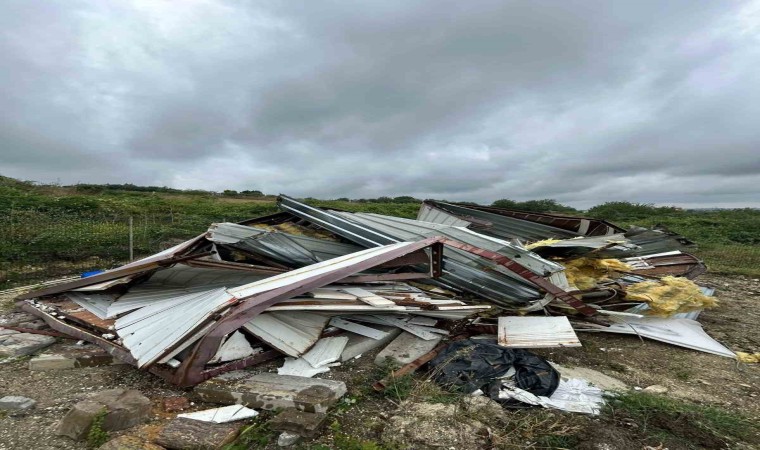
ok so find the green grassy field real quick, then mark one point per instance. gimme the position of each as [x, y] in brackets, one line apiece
[52, 230]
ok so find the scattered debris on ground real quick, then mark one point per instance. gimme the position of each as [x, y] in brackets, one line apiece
[283, 324]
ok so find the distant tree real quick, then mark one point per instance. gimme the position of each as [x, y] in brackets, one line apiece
[229, 192]
[252, 193]
[505, 203]
[628, 210]
[545, 206]
[405, 199]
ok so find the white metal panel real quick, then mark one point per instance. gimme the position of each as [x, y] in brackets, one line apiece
[536, 332]
[326, 351]
[292, 333]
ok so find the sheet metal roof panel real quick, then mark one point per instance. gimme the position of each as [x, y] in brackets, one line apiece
[304, 273]
[429, 213]
[500, 226]
[536, 332]
[149, 336]
[286, 248]
[494, 286]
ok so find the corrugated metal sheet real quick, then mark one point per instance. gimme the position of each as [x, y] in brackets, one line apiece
[177, 281]
[150, 332]
[292, 333]
[536, 332]
[97, 304]
[527, 226]
[289, 249]
[462, 270]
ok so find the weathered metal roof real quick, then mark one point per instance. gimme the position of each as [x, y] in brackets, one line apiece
[524, 225]
[462, 270]
[289, 249]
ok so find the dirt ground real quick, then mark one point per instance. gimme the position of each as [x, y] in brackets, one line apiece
[689, 375]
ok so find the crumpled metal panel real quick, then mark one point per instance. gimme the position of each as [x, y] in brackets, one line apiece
[285, 248]
[512, 224]
[462, 270]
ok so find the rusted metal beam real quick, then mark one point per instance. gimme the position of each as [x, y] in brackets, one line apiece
[524, 272]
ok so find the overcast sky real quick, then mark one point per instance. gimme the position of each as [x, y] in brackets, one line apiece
[580, 101]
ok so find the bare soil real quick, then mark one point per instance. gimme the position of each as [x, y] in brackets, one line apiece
[689, 375]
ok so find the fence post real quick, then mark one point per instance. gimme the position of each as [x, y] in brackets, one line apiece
[131, 240]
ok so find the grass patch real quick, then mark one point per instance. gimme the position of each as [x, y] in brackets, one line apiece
[700, 426]
[97, 436]
[254, 436]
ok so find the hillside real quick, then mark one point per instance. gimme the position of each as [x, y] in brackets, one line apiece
[55, 230]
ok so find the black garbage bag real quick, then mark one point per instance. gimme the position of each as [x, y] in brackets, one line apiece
[470, 365]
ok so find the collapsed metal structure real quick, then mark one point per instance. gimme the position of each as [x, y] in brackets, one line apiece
[241, 294]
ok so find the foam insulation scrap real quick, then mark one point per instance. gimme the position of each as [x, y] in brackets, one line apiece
[749, 358]
[543, 243]
[585, 273]
[669, 295]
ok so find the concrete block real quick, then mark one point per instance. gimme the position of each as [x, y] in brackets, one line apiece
[299, 422]
[37, 324]
[20, 344]
[51, 362]
[72, 356]
[271, 391]
[124, 409]
[16, 403]
[5, 332]
[359, 345]
[405, 349]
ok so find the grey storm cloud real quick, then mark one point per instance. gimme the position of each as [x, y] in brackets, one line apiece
[580, 101]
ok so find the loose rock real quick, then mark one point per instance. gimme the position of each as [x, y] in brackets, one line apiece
[16, 403]
[124, 409]
[20, 344]
[655, 389]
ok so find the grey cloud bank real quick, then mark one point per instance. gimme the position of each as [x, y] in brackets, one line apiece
[581, 101]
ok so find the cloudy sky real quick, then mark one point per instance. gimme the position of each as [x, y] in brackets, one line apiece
[581, 101]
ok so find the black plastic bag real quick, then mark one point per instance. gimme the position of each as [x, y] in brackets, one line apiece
[470, 365]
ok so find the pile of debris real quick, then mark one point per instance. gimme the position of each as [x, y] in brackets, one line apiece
[322, 286]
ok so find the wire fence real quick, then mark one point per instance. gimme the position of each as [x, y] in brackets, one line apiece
[36, 245]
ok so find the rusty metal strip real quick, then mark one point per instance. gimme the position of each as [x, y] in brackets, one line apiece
[116, 273]
[522, 271]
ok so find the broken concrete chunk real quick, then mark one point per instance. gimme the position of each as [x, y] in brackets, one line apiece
[12, 319]
[129, 443]
[5, 331]
[16, 403]
[20, 344]
[358, 345]
[183, 433]
[36, 324]
[271, 391]
[298, 422]
[124, 409]
[405, 349]
[655, 389]
[594, 377]
[70, 357]
[286, 439]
